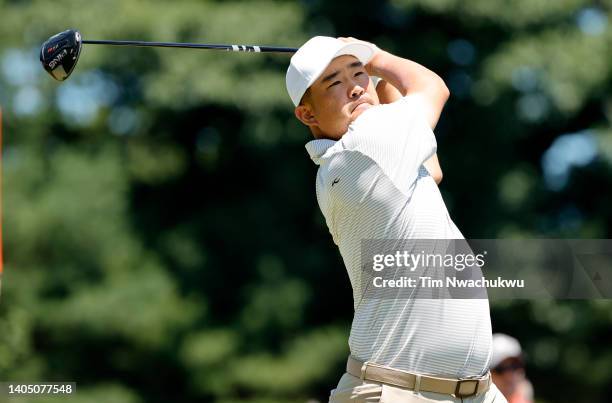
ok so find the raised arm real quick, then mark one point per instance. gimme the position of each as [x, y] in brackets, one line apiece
[401, 77]
[409, 77]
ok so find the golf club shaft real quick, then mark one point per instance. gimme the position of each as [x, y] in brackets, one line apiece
[233, 48]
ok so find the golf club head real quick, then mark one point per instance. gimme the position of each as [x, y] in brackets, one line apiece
[60, 53]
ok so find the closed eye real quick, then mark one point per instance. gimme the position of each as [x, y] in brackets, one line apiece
[358, 73]
[334, 83]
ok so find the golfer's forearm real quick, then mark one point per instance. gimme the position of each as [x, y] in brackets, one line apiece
[433, 167]
[405, 75]
[411, 78]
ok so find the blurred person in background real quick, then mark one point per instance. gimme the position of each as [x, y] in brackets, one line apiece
[508, 369]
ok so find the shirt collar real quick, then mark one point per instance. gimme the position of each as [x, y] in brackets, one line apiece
[317, 148]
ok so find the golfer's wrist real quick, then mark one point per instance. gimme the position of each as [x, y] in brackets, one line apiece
[374, 66]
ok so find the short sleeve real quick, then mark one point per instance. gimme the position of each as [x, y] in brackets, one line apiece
[395, 136]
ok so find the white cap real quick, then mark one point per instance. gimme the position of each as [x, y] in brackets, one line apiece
[504, 347]
[309, 62]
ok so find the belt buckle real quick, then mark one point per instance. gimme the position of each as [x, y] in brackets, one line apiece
[458, 387]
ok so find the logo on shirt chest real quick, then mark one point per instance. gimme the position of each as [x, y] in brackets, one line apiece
[335, 181]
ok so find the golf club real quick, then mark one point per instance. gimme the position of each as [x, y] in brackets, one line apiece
[60, 53]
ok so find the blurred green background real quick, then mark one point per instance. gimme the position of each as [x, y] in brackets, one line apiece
[163, 241]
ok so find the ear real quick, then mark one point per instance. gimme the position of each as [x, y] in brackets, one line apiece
[305, 115]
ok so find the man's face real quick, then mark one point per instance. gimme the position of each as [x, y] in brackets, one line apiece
[342, 93]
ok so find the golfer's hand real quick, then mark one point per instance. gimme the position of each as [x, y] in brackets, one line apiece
[369, 67]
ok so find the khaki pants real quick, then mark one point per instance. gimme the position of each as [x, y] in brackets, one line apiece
[353, 390]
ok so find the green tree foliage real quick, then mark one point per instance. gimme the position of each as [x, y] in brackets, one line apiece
[162, 236]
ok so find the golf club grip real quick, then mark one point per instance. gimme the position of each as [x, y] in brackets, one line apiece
[233, 48]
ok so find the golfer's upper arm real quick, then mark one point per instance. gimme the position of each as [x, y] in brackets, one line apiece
[434, 96]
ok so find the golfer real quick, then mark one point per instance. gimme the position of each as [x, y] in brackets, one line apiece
[374, 144]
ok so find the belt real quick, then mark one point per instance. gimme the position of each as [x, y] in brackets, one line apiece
[464, 387]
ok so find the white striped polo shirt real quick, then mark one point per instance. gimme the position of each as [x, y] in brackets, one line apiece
[371, 184]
